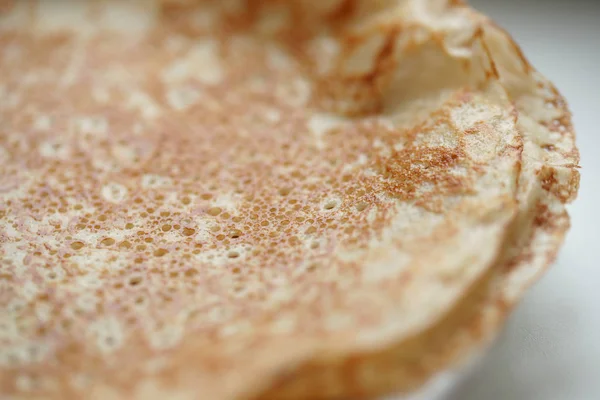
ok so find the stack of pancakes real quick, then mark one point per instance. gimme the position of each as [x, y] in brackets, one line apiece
[266, 199]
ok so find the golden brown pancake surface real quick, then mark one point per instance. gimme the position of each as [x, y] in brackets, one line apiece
[265, 199]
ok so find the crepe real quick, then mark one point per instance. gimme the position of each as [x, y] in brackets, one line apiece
[266, 199]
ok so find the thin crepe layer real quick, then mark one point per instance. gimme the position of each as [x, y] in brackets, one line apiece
[398, 78]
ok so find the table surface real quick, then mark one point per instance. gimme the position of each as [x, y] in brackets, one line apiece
[550, 349]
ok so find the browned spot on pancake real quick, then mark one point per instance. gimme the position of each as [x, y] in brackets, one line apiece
[407, 171]
[547, 220]
[344, 10]
[549, 181]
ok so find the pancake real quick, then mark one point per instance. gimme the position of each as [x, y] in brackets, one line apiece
[266, 199]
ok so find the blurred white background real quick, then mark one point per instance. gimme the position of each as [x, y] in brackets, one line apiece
[550, 349]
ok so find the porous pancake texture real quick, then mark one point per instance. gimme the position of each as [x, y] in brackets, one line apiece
[266, 199]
